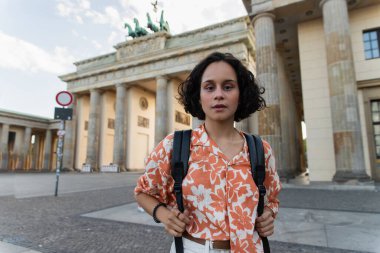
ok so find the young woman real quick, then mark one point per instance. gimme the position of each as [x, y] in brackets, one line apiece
[220, 196]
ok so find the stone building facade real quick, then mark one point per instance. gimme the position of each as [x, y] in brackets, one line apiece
[318, 61]
[125, 101]
[27, 143]
[327, 52]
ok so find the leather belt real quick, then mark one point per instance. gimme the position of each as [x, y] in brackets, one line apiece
[214, 244]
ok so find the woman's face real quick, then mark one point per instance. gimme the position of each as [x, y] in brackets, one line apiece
[219, 92]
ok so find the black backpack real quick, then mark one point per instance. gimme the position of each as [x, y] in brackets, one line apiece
[179, 165]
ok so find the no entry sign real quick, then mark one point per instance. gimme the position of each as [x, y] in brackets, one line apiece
[64, 98]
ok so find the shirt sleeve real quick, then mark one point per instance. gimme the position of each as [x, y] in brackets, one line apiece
[272, 181]
[157, 180]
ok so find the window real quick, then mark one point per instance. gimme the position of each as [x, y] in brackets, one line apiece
[111, 123]
[371, 44]
[375, 112]
[142, 122]
[85, 125]
[182, 118]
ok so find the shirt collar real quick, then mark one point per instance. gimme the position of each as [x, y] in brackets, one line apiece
[201, 137]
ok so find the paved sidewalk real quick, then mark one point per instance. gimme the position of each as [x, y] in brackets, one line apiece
[91, 213]
[10, 248]
[25, 185]
[312, 227]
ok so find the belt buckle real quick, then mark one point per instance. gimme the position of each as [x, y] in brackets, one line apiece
[211, 244]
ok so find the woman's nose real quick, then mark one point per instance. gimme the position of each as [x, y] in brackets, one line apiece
[219, 93]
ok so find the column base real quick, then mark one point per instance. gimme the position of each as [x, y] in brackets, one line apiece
[120, 165]
[67, 169]
[344, 176]
[286, 175]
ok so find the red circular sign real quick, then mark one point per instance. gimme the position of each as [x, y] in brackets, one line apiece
[64, 98]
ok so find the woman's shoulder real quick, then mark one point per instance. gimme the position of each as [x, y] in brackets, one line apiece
[166, 143]
[266, 145]
[267, 148]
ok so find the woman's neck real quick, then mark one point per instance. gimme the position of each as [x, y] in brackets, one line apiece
[221, 130]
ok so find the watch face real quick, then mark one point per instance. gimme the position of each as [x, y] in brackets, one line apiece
[143, 103]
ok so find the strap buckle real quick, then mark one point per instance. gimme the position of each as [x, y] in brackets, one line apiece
[177, 187]
[262, 190]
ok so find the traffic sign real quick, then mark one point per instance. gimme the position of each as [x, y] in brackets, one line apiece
[64, 98]
[61, 132]
[63, 113]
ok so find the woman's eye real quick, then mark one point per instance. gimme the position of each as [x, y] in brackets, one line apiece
[228, 87]
[209, 88]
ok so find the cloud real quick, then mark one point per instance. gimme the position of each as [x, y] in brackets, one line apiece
[200, 13]
[22, 55]
[81, 12]
[96, 44]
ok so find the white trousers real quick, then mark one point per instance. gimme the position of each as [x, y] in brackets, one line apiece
[193, 247]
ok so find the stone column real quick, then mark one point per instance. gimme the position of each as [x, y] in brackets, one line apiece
[128, 127]
[243, 125]
[69, 141]
[35, 153]
[4, 146]
[267, 74]
[79, 131]
[171, 105]
[348, 146]
[25, 148]
[197, 122]
[161, 117]
[293, 143]
[47, 150]
[93, 130]
[253, 123]
[119, 137]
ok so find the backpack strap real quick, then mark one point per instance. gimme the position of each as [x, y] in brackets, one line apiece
[179, 165]
[260, 173]
[257, 159]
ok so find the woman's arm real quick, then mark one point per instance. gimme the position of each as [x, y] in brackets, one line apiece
[175, 222]
[265, 223]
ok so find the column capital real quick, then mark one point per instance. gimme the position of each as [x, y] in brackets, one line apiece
[120, 85]
[162, 77]
[322, 2]
[262, 15]
[95, 90]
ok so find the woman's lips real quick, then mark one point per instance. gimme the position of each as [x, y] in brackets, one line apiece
[219, 106]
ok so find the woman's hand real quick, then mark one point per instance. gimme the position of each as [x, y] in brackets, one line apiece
[265, 223]
[175, 222]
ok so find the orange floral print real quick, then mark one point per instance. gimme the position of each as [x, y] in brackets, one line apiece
[220, 194]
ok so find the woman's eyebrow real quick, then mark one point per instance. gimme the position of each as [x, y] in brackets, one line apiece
[224, 81]
[208, 81]
[230, 80]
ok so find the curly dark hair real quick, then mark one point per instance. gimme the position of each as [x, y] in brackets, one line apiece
[250, 99]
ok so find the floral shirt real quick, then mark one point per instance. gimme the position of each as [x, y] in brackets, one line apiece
[219, 193]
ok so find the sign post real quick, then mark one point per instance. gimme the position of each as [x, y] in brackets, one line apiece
[63, 98]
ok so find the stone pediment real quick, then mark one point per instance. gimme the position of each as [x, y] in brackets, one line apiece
[162, 54]
[141, 46]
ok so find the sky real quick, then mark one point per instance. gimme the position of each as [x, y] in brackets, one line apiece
[41, 39]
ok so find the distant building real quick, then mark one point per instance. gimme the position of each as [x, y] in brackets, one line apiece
[125, 101]
[27, 142]
[318, 61]
[327, 52]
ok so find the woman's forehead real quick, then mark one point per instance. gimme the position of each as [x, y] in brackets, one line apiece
[219, 70]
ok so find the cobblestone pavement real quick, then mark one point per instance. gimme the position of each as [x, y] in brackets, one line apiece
[54, 225]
